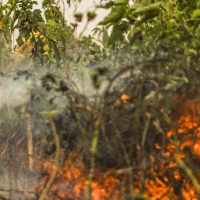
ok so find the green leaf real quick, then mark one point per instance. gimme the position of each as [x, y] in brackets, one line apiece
[121, 2]
[144, 9]
[14, 18]
[150, 96]
[175, 82]
[196, 14]
[116, 35]
[116, 14]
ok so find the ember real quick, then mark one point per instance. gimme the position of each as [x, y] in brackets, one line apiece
[168, 176]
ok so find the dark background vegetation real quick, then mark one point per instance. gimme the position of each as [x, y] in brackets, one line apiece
[146, 62]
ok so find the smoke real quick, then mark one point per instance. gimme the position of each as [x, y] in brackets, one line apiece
[14, 91]
[42, 89]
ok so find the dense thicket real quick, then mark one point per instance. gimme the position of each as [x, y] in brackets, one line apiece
[123, 91]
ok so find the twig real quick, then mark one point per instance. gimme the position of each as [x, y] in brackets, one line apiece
[14, 190]
[146, 127]
[52, 177]
[94, 148]
[3, 197]
[127, 68]
[189, 173]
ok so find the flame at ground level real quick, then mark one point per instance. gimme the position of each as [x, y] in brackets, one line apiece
[173, 173]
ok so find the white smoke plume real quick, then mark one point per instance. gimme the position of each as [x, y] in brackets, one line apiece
[14, 91]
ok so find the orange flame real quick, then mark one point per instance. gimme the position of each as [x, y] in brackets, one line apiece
[163, 179]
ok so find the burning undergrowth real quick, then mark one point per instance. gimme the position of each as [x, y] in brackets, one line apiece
[166, 169]
[133, 149]
[134, 141]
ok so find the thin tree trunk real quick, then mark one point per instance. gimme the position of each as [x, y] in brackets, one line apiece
[29, 142]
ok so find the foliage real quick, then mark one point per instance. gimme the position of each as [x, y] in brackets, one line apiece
[117, 98]
[44, 37]
[152, 22]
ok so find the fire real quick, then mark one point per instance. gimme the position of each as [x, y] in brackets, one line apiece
[124, 98]
[72, 183]
[163, 179]
[196, 148]
[184, 138]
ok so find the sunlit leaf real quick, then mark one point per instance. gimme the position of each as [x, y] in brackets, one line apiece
[137, 10]
[121, 2]
[196, 14]
[116, 14]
